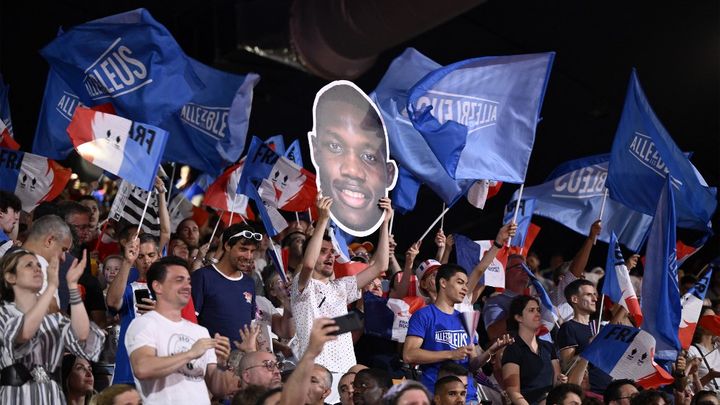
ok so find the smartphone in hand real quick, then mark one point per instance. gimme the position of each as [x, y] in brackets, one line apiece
[347, 323]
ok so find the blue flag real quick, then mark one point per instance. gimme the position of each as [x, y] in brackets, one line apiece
[416, 161]
[525, 213]
[661, 304]
[5, 107]
[294, 153]
[572, 195]
[128, 59]
[643, 154]
[479, 116]
[209, 131]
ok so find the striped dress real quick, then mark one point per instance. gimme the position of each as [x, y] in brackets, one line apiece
[46, 348]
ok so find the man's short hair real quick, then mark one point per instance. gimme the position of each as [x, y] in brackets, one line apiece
[88, 197]
[574, 288]
[445, 272]
[381, 377]
[344, 93]
[49, 225]
[148, 238]
[703, 398]
[233, 230]
[249, 395]
[289, 238]
[557, 395]
[9, 200]
[67, 208]
[612, 391]
[158, 270]
[328, 375]
[449, 367]
[441, 382]
[650, 397]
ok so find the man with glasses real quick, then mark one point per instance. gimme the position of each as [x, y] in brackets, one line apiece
[620, 392]
[224, 292]
[260, 368]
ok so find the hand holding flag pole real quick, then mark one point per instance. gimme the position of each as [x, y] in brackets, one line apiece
[602, 211]
[517, 208]
[147, 202]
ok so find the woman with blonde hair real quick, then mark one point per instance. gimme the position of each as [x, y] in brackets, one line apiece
[31, 340]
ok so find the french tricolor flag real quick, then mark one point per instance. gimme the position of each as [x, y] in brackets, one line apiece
[617, 284]
[125, 148]
[626, 352]
[222, 194]
[32, 178]
[692, 303]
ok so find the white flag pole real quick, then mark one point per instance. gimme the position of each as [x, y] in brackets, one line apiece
[232, 211]
[310, 215]
[170, 185]
[434, 222]
[600, 313]
[442, 220]
[297, 218]
[602, 210]
[216, 225]
[392, 221]
[147, 202]
[517, 208]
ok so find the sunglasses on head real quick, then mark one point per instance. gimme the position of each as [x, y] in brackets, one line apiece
[248, 235]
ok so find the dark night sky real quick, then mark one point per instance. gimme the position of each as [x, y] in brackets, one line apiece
[674, 46]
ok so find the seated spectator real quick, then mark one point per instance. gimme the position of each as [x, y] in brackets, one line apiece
[451, 368]
[530, 366]
[345, 387]
[270, 397]
[370, 385]
[450, 390]
[77, 380]
[565, 394]
[407, 392]
[651, 397]
[118, 394]
[320, 385]
[293, 243]
[10, 207]
[363, 250]
[259, 369]
[620, 392]
[178, 248]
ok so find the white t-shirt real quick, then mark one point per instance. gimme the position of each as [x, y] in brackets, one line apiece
[327, 300]
[713, 359]
[187, 384]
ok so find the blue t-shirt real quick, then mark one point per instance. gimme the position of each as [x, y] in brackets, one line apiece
[223, 304]
[575, 334]
[123, 371]
[440, 331]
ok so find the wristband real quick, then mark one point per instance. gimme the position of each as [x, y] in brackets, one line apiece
[75, 297]
[497, 245]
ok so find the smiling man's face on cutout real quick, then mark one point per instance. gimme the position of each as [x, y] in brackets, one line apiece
[350, 152]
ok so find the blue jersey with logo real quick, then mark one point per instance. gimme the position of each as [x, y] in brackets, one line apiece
[440, 331]
[123, 371]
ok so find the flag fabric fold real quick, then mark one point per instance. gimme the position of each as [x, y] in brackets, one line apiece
[127, 208]
[416, 161]
[626, 352]
[209, 131]
[525, 212]
[644, 156]
[469, 253]
[127, 149]
[32, 178]
[550, 314]
[661, 309]
[617, 285]
[572, 195]
[222, 193]
[128, 59]
[471, 113]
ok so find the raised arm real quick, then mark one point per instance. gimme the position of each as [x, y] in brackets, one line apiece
[401, 288]
[449, 243]
[579, 262]
[380, 259]
[312, 251]
[298, 383]
[503, 236]
[78, 314]
[116, 290]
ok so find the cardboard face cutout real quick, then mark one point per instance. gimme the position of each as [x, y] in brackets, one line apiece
[350, 152]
